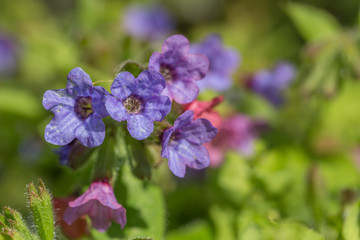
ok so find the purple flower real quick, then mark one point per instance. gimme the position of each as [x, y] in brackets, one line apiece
[78, 110]
[179, 68]
[223, 62]
[270, 84]
[8, 55]
[182, 143]
[138, 101]
[147, 23]
[100, 204]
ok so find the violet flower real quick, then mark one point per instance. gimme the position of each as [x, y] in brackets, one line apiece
[223, 62]
[78, 110]
[147, 23]
[180, 68]
[138, 101]
[271, 84]
[182, 144]
[8, 56]
[100, 204]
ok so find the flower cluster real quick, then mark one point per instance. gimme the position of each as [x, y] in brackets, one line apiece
[139, 101]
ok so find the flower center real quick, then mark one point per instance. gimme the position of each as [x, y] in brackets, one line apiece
[132, 104]
[167, 72]
[83, 107]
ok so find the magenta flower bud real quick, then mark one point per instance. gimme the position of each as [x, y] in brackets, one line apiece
[100, 204]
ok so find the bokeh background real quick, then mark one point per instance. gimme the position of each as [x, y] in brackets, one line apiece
[303, 176]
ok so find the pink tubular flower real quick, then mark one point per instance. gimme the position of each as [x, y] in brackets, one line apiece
[100, 204]
[204, 109]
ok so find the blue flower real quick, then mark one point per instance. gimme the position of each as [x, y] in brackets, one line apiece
[182, 143]
[147, 23]
[138, 101]
[271, 84]
[78, 110]
[223, 62]
[180, 68]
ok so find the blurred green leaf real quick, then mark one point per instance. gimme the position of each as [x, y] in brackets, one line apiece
[223, 220]
[314, 24]
[295, 231]
[19, 102]
[351, 222]
[145, 207]
[193, 231]
[234, 177]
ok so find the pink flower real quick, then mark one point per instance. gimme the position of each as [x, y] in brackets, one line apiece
[238, 133]
[204, 109]
[100, 204]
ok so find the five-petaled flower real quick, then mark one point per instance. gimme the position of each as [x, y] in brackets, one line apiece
[100, 204]
[182, 143]
[223, 62]
[180, 68]
[78, 110]
[270, 84]
[138, 101]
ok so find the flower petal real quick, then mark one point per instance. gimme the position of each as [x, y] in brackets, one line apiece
[182, 91]
[184, 119]
[100, 216]
[91, 132]
[150, 83]
[116, 109]
[193, 67]
[200, 159]
[78, 82]
[176, 165]
[165, 141]
[60, 131]
[200, 131]
[119, 216]
[175, 45]
[157, 107]
[123, 86]
[98, 96]
[140, 126]
[53, 98]
[154, 61]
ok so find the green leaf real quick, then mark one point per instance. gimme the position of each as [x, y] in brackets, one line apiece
[313, 24]
[223, 219]
[351, 222]
[193, 231]
[41, 206]
[19, 102]
[145, 207]
[295, 231]
[234, 171]
[135, 152]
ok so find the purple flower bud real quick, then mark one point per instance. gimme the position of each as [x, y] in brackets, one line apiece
[147, 23]
[180, 68]
[138, 101]
[223, 62]
[182, 144]
[100, 204]
[270, 84]
[78, 111]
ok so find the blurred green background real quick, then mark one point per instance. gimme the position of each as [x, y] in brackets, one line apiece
[303, 180]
